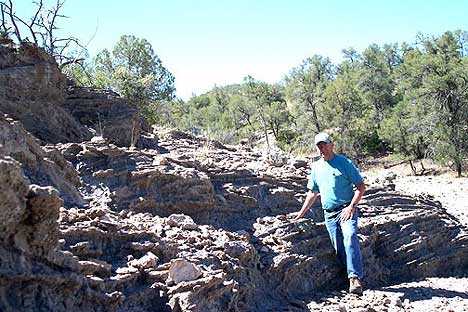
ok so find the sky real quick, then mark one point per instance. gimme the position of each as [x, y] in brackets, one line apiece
[204, 43]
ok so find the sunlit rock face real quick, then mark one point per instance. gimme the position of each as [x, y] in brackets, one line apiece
[33, 92]
[54, 110]
[187, 224]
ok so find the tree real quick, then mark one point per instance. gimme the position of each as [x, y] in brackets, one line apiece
[269, 104]
[376, 82]
[346, 113]
[435, 78]
[404, 126]
[446, 87]
[220, 113]
[135, 71]
[81, 70]
[305, 86]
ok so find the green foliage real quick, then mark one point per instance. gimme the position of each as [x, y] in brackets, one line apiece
[135, 71]
[403, 128]
[434, 79]
[268, 104]
[80, 72]
[410, 98]
[376, 81]
[346, 113]
[212, 113]
[305, 86]
[249, 110]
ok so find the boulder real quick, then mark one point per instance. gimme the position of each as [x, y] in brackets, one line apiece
[182, 270]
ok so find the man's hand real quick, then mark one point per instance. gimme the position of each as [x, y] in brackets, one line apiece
[298, 216]
[347, 213]
[309, 200]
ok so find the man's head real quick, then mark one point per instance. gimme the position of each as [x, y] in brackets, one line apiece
[323, 137]
[324, 144]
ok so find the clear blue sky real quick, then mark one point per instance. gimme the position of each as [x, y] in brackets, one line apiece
[208, 42]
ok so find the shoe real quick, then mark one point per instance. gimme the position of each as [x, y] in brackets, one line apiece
[355, 286]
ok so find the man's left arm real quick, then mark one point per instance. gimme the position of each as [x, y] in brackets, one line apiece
[349, 211]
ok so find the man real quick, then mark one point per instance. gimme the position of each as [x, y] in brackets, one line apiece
[332, 178]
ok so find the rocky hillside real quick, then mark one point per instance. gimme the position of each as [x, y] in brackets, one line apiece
[100, 214]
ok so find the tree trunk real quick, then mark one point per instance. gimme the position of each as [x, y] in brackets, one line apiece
[458, 167]
[413, 167]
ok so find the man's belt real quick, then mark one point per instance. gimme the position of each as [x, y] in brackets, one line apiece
[340, 207]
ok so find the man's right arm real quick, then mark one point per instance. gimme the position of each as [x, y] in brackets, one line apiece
[309, 200]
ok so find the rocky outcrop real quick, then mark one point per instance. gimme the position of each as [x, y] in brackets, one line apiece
[280, 260]
[37, 94]
[43, 166]
[111, 116]
[402, 238]
[32, 92]
[147, 259]
[29, 235]
[226, 188]
[134, 254]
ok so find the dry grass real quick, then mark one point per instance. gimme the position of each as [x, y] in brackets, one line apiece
[424, 167]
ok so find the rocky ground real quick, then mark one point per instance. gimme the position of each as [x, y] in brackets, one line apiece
[429, 294]
[451, 192]
[439, 183]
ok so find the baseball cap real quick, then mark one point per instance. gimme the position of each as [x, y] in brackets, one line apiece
[322, 137]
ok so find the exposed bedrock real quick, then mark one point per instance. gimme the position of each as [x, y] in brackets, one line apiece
[275, 258]
[111, 116]
[44, 166]
[33, 91]
[175, 231]
[33, 272]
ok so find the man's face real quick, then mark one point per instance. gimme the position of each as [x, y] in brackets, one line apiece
[325, 150]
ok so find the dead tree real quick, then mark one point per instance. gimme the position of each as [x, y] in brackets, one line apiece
[41, 26]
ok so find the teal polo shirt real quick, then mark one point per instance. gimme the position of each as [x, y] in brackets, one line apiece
[334, 181]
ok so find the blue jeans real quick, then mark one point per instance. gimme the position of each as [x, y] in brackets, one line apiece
[345, 241]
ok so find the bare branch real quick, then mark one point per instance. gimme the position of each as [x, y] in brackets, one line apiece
[3, 26]
[15, 18]
[49, 25]
[42, 26]
[67, 39]
[73, 61]
[39, 8]
[33, 20]
[12, 19]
